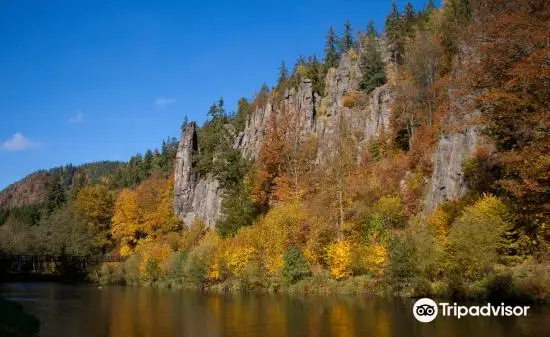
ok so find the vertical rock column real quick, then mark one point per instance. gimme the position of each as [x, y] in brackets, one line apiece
[185, 179]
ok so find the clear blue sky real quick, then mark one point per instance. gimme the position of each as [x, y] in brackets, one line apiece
[90, 80]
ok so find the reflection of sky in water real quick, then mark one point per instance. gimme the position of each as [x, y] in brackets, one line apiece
[86, 311]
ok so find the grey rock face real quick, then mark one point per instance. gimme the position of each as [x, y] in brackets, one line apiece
[312, 116]
[194, 197]
[321, 117]
[447, 181]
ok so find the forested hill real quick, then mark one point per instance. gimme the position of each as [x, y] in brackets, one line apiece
[411, 162]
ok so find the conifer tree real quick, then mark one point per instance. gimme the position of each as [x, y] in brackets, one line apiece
[283, 75]
[346, 43]
[394, 34]
[56, 196]
[331, 53]
[371, 64]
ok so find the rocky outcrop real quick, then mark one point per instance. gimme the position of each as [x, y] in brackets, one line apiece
[194, 196]
[447, 182]
[321, 117]
[311, 116]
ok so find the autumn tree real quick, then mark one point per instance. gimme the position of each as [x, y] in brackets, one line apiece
[145, 213]
[512, 84]
[95, 205]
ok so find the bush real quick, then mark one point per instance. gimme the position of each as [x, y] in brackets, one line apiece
[476, 239]
[402, 263]
[348, 101]
[295, 266]
[339, 258]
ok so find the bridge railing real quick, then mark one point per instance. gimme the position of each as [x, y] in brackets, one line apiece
[59, 258]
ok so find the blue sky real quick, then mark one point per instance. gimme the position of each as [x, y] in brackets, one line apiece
[84, 81]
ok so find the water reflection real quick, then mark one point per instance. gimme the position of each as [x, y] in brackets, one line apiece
[86, 311]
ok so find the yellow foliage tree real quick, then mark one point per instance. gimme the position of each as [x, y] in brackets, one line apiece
[144, 213]
[339, 258]
[95, 204]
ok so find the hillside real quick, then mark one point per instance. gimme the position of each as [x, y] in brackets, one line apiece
[409, 162]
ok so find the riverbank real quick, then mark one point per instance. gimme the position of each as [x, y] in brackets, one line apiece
[509, 285]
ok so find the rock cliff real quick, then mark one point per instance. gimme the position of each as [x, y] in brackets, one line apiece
[194, 196]
[319, 116]
[313, 115]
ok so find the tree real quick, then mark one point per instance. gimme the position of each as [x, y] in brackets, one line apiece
[423, 61]
[56, 195]
[346, 42]
[371, 64]
[184, 124]
[331, 53]
[394, 27]
[145, 213]
[95, 205]
[477, 239]
[283, 76]
[512, 88]
[244, 110]
[295, 265]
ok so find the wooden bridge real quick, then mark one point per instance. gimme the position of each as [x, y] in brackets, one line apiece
[52, 265]
[59, 258]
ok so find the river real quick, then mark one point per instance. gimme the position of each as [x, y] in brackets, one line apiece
[89, 311]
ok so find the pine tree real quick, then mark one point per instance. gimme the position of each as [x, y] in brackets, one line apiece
[283, 75]
[371, 64]
[331, 53]
[347, 43]
[409, 18]
[56, 196]
[184, 124]
[393, 33]
[371, 31]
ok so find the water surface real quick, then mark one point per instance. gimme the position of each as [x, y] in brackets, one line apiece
[87, 311]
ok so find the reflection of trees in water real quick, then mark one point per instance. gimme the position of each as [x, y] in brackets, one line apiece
[151, 312]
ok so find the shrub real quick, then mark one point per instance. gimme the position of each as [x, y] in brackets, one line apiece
[339, 258]
[295, 266]
[348, 101]
[476, 239]
[402, 262]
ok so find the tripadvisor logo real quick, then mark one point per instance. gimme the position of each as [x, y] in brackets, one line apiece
[425, 310]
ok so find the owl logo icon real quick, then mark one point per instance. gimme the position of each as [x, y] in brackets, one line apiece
[425, 310]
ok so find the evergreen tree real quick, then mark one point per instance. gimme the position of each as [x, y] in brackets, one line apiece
[371, 31]
[347, 43]
[243, 111]
[409, 20]
[371, 64]
[184, 124]
[331, 53]
[283, 75]
[394, 34]
[56, 195]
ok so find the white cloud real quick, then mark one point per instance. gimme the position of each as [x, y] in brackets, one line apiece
[76, 119]
[163, 101]
[18, 142]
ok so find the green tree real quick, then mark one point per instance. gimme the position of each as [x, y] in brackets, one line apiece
[56, 195]
[244, 110]
[346, 42]
[371, 64]
[283, 76]
[394, 29]
[331, 53]
[295, 265]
